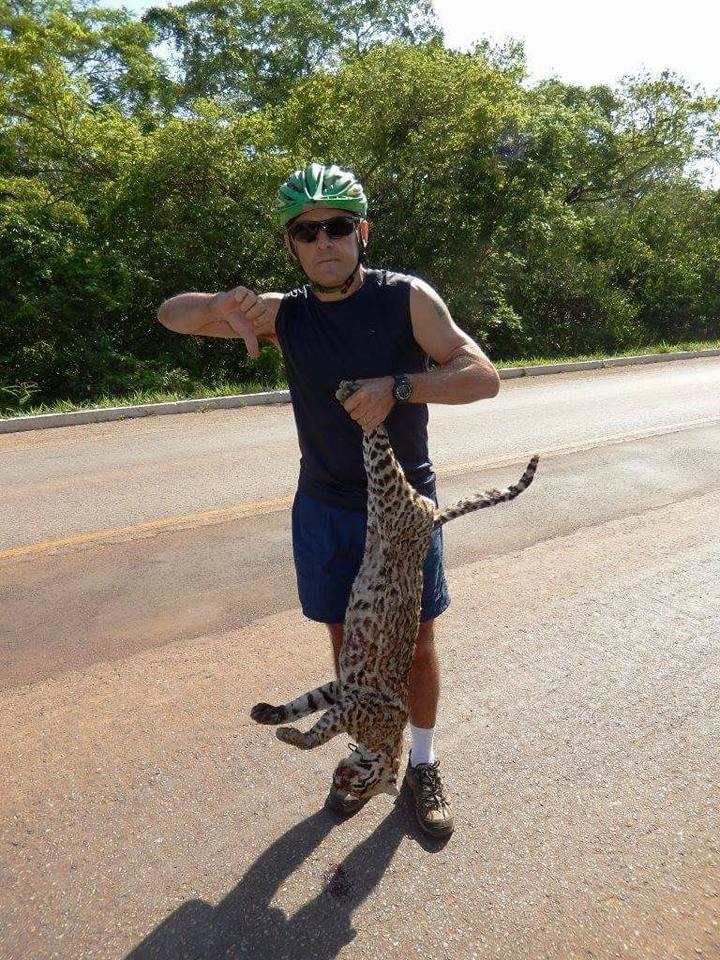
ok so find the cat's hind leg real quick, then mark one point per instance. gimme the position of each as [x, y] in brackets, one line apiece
[318, 699]
[328, 726]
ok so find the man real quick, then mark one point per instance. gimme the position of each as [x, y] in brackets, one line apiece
[381, 328]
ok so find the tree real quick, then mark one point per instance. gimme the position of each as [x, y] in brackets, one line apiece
[104, 53]
[251, 52]
[554, 219]
[611, 146]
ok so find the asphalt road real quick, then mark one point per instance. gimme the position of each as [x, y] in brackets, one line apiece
[148, 600]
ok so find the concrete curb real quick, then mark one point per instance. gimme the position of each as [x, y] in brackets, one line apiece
[510, 373]
[45, 420]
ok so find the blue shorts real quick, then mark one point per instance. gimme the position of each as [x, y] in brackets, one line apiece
[328, 546]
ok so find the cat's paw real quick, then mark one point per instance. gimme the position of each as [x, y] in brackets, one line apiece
[292, 736]
[346, 389]
[266, 713]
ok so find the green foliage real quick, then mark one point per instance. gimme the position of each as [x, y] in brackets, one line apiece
[102, 54]
[249, 53]
[554, 219]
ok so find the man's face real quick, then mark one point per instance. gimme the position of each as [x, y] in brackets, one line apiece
[328, 262]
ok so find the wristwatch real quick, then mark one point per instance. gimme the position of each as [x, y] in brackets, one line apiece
[402, 390]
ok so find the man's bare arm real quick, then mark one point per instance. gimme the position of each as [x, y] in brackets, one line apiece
[234, 314]
[464, 372]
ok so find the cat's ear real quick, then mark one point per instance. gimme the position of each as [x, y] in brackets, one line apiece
[390, 784]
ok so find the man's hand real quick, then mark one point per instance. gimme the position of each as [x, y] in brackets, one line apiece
[372, 402]
[243, 310]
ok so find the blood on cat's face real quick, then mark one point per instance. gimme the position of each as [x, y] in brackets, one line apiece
[367, 774]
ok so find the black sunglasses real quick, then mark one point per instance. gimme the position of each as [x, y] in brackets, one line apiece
[335, 228]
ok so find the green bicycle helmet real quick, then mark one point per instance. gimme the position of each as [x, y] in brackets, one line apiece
[323, 185]
[320, 185]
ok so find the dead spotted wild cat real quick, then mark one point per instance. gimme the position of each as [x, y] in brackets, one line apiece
[369, 699]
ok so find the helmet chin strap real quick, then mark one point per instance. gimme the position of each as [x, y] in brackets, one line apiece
[347, 283]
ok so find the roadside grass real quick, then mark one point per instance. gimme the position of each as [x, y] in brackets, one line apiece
[231, 388]
[655, 348]
[223, 388]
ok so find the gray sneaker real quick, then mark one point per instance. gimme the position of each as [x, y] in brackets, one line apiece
[431, 804]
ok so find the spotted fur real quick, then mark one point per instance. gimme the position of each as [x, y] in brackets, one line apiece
[369, 700]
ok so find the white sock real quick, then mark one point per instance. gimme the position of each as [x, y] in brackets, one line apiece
[421, 745]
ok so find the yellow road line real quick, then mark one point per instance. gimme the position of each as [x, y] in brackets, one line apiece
[260, 507]
[239, 511]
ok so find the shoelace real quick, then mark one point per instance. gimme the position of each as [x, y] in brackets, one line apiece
[428, 779]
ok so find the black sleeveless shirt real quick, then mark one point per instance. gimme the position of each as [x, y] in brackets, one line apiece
[368, 334]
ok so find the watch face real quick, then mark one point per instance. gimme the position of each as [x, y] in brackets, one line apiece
[403, 389]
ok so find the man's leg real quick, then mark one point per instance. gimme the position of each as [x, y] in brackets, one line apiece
[424, 692]
[336, 637]
[424, 678]
[422, 777]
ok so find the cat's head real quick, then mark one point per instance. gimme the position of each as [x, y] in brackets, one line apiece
[367, 772]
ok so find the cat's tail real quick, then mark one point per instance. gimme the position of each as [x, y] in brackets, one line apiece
[487, 499]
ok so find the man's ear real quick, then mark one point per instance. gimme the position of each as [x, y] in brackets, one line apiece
[363, 235]
[290, 247]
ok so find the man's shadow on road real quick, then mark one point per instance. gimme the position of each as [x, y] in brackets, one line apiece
[244, 924]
